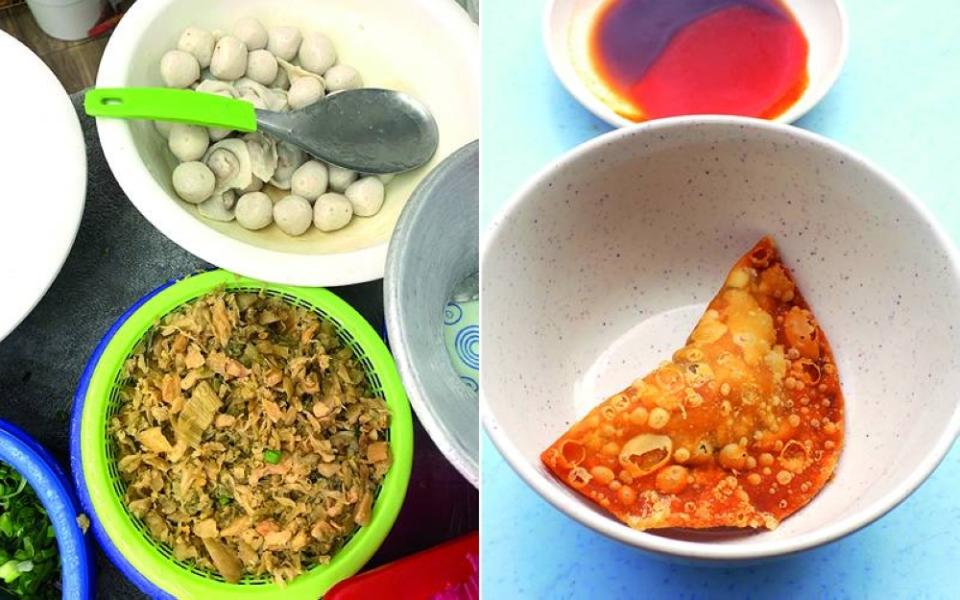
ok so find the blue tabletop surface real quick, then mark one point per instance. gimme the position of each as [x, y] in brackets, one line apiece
[898, 103]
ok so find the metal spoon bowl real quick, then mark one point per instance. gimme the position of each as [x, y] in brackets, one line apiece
[368, 130]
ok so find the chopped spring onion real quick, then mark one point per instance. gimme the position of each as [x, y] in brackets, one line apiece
[29, 561]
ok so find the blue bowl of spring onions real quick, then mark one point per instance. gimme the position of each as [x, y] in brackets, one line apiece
[44, 552]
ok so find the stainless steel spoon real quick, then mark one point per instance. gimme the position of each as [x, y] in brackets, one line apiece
[368, 130]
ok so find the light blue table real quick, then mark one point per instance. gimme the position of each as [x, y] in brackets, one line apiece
[898, 103]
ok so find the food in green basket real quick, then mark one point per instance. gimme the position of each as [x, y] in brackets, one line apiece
[278, 69]
[29, 560]
[248, 436]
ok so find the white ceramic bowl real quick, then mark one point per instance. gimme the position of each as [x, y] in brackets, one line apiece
[567, 24]
[45, 182]
[428, 48]
[599, 268]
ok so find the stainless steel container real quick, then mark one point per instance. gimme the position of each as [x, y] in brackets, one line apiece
[433, 249]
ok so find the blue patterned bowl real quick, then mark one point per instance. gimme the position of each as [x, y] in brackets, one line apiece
[461, 333]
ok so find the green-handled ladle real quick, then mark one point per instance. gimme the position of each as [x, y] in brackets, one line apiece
[368, 130]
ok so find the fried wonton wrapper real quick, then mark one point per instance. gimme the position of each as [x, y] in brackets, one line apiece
[741, 429]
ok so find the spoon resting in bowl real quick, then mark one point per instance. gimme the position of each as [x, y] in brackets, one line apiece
[367, 130]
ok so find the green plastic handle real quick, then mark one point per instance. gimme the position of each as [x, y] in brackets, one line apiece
[163, 104]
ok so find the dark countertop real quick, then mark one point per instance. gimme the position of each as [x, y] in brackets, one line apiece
[119, 256]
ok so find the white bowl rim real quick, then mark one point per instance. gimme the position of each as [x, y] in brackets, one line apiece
[190, 233]
[603, 112]
[707, 551]
[72, 138]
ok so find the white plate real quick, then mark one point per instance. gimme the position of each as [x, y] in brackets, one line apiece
[43, 164]
[428, 48]
[567, 23]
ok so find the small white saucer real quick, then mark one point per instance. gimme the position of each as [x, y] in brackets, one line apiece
[567, 23]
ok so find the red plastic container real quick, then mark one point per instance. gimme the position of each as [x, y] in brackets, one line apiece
[449, 571]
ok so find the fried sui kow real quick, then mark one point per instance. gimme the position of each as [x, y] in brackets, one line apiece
[742, 428]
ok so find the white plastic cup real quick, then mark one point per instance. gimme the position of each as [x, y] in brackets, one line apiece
[473, 7]
[67, 19]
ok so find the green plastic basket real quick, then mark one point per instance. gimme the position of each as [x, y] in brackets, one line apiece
[155, 561]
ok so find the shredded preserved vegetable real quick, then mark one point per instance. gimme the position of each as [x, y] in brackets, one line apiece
[248, 436]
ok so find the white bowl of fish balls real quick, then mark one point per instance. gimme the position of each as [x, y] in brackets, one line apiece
[280, 69]
[243, 201]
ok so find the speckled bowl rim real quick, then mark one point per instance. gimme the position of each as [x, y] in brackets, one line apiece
[706, 551]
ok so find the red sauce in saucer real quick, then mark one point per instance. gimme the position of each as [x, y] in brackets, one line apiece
[676, 57]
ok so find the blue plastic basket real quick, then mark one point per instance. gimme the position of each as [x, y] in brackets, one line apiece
[76, 464]
[52, 487]
[76, 460]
